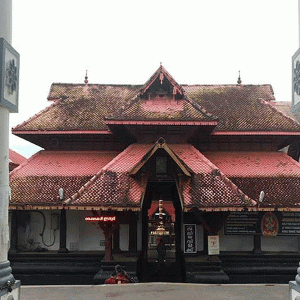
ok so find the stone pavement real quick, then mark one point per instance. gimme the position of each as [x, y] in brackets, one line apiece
[161, 291]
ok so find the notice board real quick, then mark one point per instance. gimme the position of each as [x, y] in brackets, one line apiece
[190, 238]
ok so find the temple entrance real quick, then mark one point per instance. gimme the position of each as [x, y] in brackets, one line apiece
[161, 257]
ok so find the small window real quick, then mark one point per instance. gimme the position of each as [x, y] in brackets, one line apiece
[161, 165]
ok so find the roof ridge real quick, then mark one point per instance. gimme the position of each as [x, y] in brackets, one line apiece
[199, 107]
[273, 107]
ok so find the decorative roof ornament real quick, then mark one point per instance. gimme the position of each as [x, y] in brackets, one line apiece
[239, 81]
[161, 75]
[86, 78]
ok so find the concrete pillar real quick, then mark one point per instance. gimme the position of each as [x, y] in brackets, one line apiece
[8, 286]
[6, 20]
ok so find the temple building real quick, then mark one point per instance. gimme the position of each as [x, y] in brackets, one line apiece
[211, 170]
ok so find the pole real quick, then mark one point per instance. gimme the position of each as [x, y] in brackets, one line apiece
[7, 281]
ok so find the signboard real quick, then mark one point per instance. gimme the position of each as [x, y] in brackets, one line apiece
[213, 245]
[269, 223]
[9, 76]
[290, 223]
[190, 238]
[244, 223]
[100, 219]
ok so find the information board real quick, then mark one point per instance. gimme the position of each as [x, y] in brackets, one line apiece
[290, 223]
[190, 238]
[241, 223]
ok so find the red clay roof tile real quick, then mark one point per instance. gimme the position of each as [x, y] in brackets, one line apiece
[16, 158]
[275, 173]
[84, 107]
[113, 186]
[38, 180]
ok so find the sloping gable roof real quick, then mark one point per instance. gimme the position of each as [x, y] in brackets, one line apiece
[37, 181]
[114, 187]
[84, 107]
[275, 173]
[183, 111]
[242, 107]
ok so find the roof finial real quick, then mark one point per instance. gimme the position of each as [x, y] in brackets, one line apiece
[239, 81]
[86, 78]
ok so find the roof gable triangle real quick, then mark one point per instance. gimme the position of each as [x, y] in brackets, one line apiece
[160, 143]
[161, 81]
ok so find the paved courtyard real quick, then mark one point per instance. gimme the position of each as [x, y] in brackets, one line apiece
[161, 291]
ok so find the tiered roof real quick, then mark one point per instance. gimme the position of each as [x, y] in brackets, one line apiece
[90, 107]
[106, 180]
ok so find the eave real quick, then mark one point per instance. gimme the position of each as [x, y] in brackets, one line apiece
[183, 123]
[73, 207]
[117, 208]
[243, 209]
[56, 132]
[270, 133]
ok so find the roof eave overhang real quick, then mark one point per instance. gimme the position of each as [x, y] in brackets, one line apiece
[63, 132]
[138, 208]
[242, 208]
[170, 123]
[264, 133]
[72, 207]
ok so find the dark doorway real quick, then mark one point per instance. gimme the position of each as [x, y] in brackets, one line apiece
[161, 220]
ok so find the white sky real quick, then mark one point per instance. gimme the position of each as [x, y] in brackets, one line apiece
[200, 41]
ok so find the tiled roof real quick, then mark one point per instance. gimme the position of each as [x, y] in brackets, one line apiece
[241, 107]
[275, 173]
[113, 187]
[208, 187]
[37, 181]
[285, 107]
[84, 107]
[162, 109]
[16, 158]
[79, 107]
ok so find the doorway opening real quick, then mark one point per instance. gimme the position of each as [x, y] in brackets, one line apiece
[162, 222]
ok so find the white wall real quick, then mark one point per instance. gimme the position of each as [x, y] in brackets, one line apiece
[279, 243]
[235, 242]
[89, 234]
[81, 235]
[30, 238]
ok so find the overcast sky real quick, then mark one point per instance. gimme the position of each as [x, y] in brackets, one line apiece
[198, 42]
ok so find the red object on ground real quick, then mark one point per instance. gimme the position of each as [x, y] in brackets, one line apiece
[111, 280]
